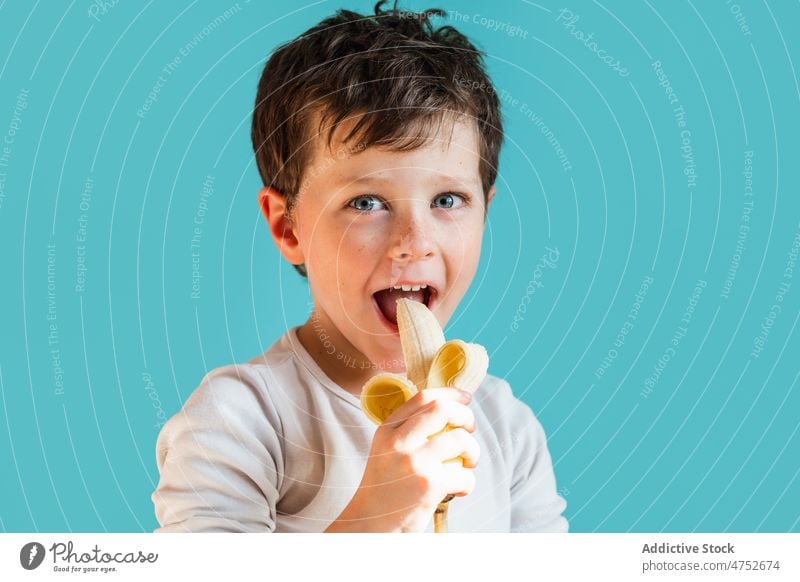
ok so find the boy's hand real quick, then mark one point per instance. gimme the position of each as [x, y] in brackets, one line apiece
[406, 476]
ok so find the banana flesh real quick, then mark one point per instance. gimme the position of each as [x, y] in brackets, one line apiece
[421, 337]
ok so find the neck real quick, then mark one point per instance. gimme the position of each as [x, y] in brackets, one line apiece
[342, 362]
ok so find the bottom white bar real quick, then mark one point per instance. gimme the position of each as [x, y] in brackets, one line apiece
[396, 557]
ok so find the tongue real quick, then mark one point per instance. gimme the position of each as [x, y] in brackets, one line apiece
[387, 301]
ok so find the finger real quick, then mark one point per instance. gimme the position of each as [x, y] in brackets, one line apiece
[453, 444]
[432, 419]
[459, 481]
[422, 399]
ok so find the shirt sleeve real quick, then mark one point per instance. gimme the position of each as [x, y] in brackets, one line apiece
[536, 505]
[220, 458]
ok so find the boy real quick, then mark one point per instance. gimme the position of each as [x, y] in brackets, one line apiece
[378, 157]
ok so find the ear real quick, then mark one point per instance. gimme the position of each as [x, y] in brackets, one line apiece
[490, 197]
[281, 227]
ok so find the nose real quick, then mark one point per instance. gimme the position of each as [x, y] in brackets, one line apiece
[412, 239]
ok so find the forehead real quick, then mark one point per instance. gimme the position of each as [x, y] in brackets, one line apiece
[449, 150]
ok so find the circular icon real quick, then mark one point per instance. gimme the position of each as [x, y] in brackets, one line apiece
[31, 555]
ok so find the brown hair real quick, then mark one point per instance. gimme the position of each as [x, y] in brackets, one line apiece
[394, 71]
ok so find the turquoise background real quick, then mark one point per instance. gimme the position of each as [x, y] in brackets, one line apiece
[710, 444]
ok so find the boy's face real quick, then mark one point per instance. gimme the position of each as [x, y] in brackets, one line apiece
[365, 221]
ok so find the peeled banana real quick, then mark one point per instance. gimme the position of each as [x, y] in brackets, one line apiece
[430, 362]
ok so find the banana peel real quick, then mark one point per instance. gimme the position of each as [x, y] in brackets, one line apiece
[384, 393]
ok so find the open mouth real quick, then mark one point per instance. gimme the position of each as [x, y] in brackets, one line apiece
[385, 300]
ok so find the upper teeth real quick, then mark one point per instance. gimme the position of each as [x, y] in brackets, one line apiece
[409, 287]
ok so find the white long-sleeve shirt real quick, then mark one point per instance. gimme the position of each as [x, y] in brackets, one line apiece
[274, 445]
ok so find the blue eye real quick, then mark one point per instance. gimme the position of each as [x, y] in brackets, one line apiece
[448, 199]
[363, 203]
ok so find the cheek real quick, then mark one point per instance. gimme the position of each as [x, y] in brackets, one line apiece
[464, 252]
[362, 241]
[355, 251]
[464, 237]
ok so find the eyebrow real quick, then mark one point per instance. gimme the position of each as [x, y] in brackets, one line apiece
[347, 181]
